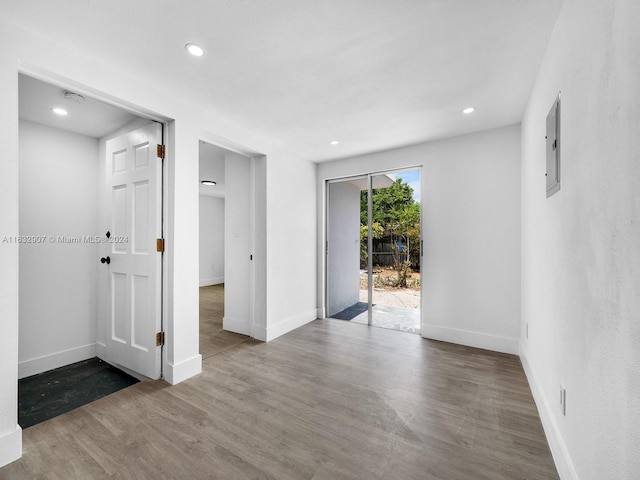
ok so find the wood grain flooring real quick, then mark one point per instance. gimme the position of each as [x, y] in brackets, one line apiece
[331, 400]
[213, 339]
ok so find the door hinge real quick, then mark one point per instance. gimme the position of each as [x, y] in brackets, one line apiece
[161, 152]
[159, 244]
[159, 339]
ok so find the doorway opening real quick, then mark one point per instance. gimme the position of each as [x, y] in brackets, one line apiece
[225, 248]
[65, 231]
[374, 250]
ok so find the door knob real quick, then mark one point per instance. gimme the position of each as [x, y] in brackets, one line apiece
[106, 260]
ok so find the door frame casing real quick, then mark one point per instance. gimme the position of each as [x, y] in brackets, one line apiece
[166, 127]
[257, 266]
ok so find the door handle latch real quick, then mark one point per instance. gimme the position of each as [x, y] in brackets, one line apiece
[106, 260]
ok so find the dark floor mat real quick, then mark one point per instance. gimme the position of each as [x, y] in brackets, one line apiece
[52, 393]
[351, 312]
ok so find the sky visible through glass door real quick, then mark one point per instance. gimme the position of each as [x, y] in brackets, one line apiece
[412, 178]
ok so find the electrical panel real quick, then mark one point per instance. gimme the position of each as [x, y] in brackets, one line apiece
[553, 148]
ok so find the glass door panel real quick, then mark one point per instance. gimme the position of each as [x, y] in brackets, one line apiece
[395, 224]
[373, 250]
[345, 251]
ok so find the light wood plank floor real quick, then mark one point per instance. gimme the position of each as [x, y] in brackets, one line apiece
[332, 400]
[213, 339]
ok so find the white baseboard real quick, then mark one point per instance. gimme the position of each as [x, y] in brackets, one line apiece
[236, 325]
[471, 339]
[205, 282]
[101, 351]
[178, 372]
[259, 333]
[559, 450]
[285, 326]
[320, 312]
[10, 446]
[26, 368]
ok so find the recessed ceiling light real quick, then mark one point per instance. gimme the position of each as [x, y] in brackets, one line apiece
[195, 50]
[468, 110]
[334, 142]
[208, 182]
[59, 111]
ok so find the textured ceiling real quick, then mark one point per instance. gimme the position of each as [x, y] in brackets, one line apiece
[373, 74]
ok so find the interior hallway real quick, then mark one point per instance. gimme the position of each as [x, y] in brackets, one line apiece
[213, 339]
[330, 400]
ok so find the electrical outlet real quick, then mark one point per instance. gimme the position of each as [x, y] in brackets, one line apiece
[563, 400]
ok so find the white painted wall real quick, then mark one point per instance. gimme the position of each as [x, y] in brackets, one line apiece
[211, 240]
[283, 216]
[471, 229]
[237, 232]
[58, 280]
[291, 239]
[10, 431]
[259, 264]
[344, 246]
[581, 247]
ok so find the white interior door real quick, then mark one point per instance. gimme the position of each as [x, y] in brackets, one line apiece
[134, 201]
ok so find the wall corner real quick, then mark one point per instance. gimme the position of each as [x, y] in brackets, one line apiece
[178, 372]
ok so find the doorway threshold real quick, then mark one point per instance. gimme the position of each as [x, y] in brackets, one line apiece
[392, 318]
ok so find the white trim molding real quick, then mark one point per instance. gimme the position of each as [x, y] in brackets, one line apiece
[285, 326]
[205, 282]
[33, 366]
[470, 338]
[177, 372]
[236, 325]
[10, 446]
[558, 447]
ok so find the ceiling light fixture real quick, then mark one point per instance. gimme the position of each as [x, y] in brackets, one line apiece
[334, 142]
[74, 97]
[468, 110]
[195, 50]
[59, 111]
[208, 182]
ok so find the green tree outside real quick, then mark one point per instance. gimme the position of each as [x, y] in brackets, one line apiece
[396, 218]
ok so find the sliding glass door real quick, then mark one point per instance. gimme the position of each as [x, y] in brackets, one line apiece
[346, 254]
[374, 250]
